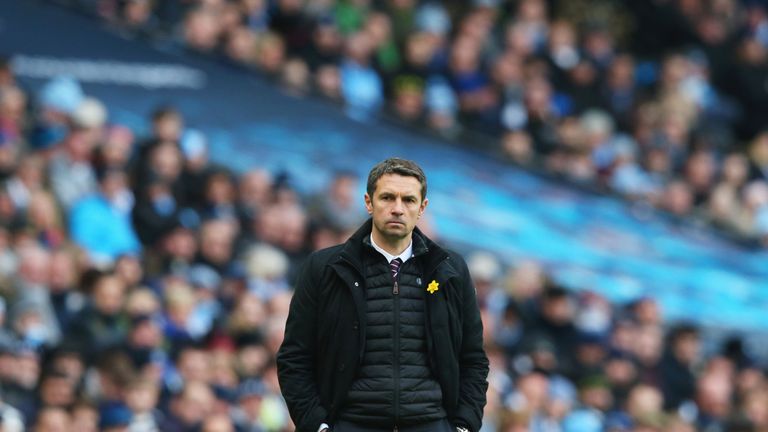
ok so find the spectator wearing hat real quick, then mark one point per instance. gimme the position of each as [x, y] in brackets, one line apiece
[197, 166]
[248, 411]
[57, 100]
[70, 169]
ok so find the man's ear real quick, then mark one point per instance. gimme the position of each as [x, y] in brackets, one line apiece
[423, 207]
[368, 204]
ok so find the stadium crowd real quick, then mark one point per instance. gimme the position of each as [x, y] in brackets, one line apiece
[170, 321]
[659, 101]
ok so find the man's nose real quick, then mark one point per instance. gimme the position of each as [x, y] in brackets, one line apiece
[397, 208]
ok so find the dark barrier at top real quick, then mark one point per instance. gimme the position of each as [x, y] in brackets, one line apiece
[586, 242]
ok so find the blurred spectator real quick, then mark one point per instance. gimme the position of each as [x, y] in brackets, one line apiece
[12, 418]
[677, 366]
[141, 399]
[361, 85]
[189, 408]
[52, 420]
[290, 22]
[114, 418]
[66, 299]
[554, 320]
[39, 325]
[218, 423]
[101, 325]
[219, 199]
[338, 206]
[270, 53]
[71, 173]
[27, 180]
[105, 211]
[267, 270]
[85, 417]
[247, 414]
[57, 100]
[45, 220]
[202, 29]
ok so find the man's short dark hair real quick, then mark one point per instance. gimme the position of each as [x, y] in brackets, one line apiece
[398, 166]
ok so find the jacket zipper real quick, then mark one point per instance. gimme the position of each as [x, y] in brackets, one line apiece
[396, 352]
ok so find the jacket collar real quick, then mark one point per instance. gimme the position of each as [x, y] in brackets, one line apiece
[423, 246]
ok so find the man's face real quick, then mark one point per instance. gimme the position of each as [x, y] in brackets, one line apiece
[396, 206]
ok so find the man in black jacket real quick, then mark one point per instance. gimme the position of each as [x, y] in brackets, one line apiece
[384, 330]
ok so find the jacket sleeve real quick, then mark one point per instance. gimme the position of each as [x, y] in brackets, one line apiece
[473, 363]
[296, 357]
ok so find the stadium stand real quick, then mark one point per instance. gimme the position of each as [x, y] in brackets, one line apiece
[600, 312]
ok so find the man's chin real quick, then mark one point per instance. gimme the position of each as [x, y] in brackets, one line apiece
[395, 231]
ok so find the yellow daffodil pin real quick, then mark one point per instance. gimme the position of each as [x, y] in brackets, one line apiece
[433, 287]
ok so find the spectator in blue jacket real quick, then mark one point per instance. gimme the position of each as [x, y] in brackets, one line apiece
[101, 223]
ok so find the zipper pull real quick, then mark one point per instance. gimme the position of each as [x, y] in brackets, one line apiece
[395, 291]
